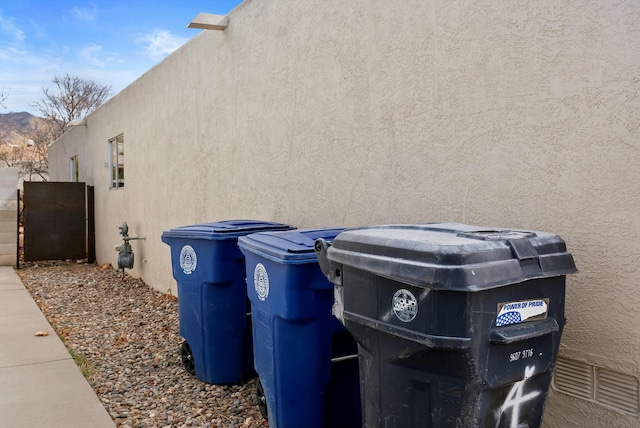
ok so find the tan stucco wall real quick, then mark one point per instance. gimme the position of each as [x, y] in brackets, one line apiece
[333, 113]
[73, 143]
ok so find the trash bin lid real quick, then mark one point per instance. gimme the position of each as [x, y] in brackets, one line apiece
[227, 229]
[288, 247]
[452, 256]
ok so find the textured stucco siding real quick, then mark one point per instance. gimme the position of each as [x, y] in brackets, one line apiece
[332, 113]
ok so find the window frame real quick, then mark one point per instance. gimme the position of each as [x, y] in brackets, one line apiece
[116, 162]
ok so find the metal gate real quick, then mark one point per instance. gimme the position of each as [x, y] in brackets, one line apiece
[57, 221]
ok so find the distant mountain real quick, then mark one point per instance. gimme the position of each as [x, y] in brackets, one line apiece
[18, 121]
[15, 127]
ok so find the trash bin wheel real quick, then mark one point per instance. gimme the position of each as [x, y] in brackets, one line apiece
[187, 358]
[262, 401]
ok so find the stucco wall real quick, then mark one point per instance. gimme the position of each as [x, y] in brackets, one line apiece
[333, 113]
[73, 143]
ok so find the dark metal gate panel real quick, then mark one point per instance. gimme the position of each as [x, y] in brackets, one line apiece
[54, 221]
[91, 225]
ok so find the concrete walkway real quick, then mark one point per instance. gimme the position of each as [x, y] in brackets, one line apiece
[40, 384]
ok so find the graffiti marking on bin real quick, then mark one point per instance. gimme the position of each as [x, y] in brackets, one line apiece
[515, 399]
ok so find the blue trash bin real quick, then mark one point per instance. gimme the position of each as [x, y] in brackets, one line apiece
[212, 298]
[306, 360]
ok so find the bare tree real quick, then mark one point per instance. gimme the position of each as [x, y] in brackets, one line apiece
[28, 151]
[35, 159]
[72, 99]
[8, 152]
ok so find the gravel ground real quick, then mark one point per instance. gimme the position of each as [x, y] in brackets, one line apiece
[125, 337]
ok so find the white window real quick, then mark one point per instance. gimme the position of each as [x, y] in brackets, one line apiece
[116, 161]
[74, 174]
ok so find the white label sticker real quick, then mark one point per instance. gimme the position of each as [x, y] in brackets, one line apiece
[405, 305]
[188, 259]
[518, 312]
[261, 281]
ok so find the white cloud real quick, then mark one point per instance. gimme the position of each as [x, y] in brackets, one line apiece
[21, 57]
[94, 55]
[7, 26]
[23, 75]
[36, 31]
[85, 14]
[160, 43]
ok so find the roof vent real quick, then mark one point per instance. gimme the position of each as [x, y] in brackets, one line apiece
[209, 21]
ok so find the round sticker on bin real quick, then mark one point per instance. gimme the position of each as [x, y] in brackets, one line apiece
[405, 305]
[188, 259]
[261, 281]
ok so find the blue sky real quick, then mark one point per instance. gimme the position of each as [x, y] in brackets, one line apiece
[112, 42]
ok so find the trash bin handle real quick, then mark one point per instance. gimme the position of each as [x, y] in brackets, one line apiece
[430, 340]
[320, 246]
[328, 268]
[519, 332]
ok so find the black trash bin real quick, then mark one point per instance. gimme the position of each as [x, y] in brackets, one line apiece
[457, 326]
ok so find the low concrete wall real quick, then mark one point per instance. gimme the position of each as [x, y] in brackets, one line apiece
[8, 216]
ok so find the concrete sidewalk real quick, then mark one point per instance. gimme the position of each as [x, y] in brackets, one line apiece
[40, 384]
